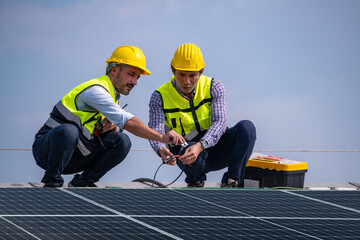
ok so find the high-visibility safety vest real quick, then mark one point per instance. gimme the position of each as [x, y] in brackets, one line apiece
[67, 111]
[189, 118]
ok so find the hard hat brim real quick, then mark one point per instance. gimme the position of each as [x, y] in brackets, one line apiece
[188, 69]
[143, 70]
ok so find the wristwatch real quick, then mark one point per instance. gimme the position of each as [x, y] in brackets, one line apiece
[204, 143]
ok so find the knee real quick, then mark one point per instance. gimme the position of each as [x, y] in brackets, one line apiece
[247, 129]
[67, 133]
[120, 141]
[125, 140]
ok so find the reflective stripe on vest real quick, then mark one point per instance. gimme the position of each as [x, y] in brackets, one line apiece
[85, 120]
[187, 117]
[50, 122]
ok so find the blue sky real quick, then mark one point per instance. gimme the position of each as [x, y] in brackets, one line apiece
[291, 67]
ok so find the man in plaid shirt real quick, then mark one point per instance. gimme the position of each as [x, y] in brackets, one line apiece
[194, 106]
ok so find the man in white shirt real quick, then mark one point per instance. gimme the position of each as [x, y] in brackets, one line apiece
[84, 132]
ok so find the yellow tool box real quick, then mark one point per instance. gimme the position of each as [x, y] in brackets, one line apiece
[273, 171]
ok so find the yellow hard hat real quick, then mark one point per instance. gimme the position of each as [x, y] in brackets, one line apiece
[188, 57]
[130, 55]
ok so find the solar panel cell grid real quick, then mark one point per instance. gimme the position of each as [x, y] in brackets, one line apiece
[94, 227]
[273, 203]
[35, 213]
[38, 201]
[325, 228]
[345, 198]
[9, 231]
[151, 201]
[215, 228]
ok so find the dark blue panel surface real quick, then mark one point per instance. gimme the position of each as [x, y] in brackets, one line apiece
[210, 228]
[48, 201]
[53, 228]
[152, 202]
[42, 213]
[325, 228]
[267, 203]
[344, 198]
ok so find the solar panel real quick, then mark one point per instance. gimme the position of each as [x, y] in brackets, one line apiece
[81, 213]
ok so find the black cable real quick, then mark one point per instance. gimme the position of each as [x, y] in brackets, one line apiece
[148, 181]
[152, 185]
[163, 186]
[174, 180]
[160, 185]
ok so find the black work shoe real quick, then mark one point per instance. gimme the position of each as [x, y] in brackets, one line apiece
[230, 184]
[78, 181]
[197, 184]
[52, 184]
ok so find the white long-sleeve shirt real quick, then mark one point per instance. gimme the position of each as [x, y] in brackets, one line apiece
[97, 98]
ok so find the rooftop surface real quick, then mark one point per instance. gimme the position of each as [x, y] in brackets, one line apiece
[141, 185]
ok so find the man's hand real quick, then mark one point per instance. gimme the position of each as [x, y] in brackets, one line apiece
[173, 137]
[191, 153]
[109, 126]
[138, 128]
[165, 154]
[177, 138]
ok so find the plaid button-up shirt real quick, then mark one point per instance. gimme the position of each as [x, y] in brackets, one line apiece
[218, 114]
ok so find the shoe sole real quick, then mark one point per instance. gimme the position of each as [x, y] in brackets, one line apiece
[72, 186]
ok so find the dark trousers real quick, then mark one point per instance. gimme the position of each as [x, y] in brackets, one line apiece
[56, 152]
[233, 151]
